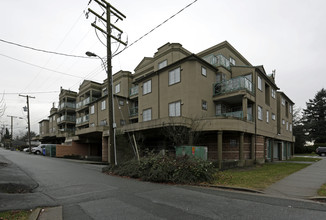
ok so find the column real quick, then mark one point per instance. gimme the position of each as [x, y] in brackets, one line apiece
[104, 149]
[252, 149]
[241, 154]
[272, 150]
[244, 107]
[219, 148]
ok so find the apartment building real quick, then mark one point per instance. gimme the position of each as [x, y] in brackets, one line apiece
[239, 112]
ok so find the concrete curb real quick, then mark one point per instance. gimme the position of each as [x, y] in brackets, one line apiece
[232, 188]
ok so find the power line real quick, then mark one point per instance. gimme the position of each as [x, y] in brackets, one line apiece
[42, 50]
[31, 64]
[16, 93]
[154, 28]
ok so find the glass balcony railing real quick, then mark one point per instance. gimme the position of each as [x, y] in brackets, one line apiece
[133, 91]
[85, 102]
[133, 112]
[82, 119]
[66, 118]
[218, 60]
[232, 85]
[236, 114]
[67, 105]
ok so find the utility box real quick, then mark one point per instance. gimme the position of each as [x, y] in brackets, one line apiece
[50, 150]
[197, 151]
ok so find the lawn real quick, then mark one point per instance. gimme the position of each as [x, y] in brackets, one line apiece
[258, 177]
[305, 159]
[15, 215]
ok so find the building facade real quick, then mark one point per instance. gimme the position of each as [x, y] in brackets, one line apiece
[233, 108]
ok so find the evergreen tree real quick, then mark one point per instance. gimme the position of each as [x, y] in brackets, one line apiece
[314, 118]
[298, 131]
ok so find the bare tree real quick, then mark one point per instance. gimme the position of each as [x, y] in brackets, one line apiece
[181, 131]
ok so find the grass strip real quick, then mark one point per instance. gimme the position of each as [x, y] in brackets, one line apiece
[15, 215]
[258, 177]
[305, 159]
[322, 190]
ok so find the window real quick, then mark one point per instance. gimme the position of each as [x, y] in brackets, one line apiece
[273, 116]
[290, 109]
[147, 115]
[283, 122]
[232, 61]
[104, 91]
[175, 109]
[290, 127]
[260, 113]
[267, 94]
[259, 83]
[203, 71]
[162, 64]
[117, 88]
[273, 93]
[92, 109]
[267, 116]
[122, 122]
[121, 102]
[287, 125]
[103, 105]
[147, 87]
[103, 122]
[174, 76]
[203, 105]
[92, 125]
[283, 101]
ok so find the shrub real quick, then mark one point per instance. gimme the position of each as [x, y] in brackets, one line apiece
[166, 169]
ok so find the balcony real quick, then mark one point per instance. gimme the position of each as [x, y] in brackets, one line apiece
[236, 114]
[85, 102]
[233, 85]
[133, 112]
[218, 60]
[67, 105]
[66, 118]
[82, 119]
[133, 91]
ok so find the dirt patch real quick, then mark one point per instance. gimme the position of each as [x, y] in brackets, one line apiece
[2, 164]
[15, 188]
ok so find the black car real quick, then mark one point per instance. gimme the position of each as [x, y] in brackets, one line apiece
[321, 151]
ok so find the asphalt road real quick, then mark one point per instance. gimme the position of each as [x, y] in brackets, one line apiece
[86, 193]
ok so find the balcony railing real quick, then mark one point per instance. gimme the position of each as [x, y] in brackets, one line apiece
[85, 102]
[133, 112]
[236, 114]
[82, 119]
[66, 118]
[232, 85]
[67, 105]
[218, 60]
[133, 91]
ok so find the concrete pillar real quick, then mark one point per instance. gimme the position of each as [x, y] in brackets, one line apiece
[252, 147]
[241, 154]
[219, 148]
[104, 149]
[244, 107]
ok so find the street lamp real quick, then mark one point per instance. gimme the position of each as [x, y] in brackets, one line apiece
[112, 126]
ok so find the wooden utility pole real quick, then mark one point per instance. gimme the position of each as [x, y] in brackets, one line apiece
[109, 10]
[29, 123]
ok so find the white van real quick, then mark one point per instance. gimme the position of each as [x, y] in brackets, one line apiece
[39, 149]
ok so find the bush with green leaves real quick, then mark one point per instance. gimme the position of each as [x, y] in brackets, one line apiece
[166, 169]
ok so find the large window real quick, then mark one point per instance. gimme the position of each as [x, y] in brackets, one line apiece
[273, 93]
[162, 64]
[175, 109]
[260, 86]
[273, 117]
[267, 116]
[117, 88]
[260, 113]
[147, 114]
[92, 109]
[174, 76]
[147, 87]
[103, 105]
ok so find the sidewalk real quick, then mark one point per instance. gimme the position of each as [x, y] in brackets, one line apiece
[302, 184]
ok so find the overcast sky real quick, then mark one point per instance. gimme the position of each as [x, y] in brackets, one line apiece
[287, 35]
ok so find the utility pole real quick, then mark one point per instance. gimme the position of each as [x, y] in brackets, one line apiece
[12, 127]
[109, 10]
[29, 123]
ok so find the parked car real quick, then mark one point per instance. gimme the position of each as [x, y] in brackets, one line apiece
[321, 151]
[39, 149]
[26, 149]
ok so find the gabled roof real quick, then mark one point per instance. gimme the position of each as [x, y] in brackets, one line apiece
[144, 62]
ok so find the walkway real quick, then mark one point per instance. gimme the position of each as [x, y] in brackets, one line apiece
[302, 184]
